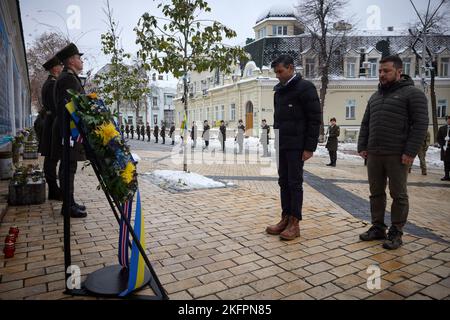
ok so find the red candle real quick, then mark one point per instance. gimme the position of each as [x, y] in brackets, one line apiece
[14, 230]
[10, 238]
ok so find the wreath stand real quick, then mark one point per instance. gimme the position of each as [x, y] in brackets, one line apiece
[110, 281]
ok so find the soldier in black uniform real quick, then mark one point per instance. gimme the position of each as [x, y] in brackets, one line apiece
[127, 130]
[68, 79]
[163, 132]
[143, 131]
[138, 131]
[172, 133]
[122, 129]
[156, 132]
[132, 131]
[148, 131]
[54, 67]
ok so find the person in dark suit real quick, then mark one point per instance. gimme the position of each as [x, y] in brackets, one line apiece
[443, 138]
[54, 67]
[297, 121]
[333, 134]
[138, 132]
[172, 133]
[68, 79]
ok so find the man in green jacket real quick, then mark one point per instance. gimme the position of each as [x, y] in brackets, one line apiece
[394, 127]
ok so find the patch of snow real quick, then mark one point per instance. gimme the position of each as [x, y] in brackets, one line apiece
[180, 180]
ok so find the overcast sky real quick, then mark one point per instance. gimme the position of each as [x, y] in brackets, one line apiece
[46, 15]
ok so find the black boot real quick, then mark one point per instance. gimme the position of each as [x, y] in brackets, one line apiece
[394, 239]
[76, 213]
[80, 207]
[54, 192]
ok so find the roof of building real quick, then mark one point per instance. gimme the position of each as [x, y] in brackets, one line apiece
[277, 11]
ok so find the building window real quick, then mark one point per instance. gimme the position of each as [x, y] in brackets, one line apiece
[155, 101]
[279, 30]
[442, 108]
[217, 114]
[155, 119]
[154, 77]
[262, 33]
[168, 100]
[350, 110]
[351, 67]
[130, 120]
[373, 72]
[310, 66]
[445, 67]
[233, 112]
[140, 120]
[160, 77]
[407, 66]
[222, 113]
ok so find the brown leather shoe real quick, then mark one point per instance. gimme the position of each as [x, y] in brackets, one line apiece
[292, 231]
[279, 227]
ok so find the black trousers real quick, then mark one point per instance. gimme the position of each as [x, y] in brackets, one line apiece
[72, 171]
[447, 168]
[290, 173]
[50, 170]
[333, 156]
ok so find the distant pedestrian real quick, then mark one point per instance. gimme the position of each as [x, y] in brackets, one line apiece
[138, 132]
[132, 131]
[143, 132]
[333, 134]
[393, 128]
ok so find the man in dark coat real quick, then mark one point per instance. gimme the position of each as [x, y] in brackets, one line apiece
[148, 131]
[68, 79]
[393, 128]
[333, 134]
[297, 124]
[156, 132]
[265, 136]
[163, 132]
[240, 136]
[222, 134]
[443, 138]
[54, 67]
[127, 130]
[122, 129]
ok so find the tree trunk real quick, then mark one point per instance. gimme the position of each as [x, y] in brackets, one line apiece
[186, 96]
[323, 92]
[433, 105]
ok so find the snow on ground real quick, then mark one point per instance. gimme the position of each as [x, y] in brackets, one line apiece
[182, 181]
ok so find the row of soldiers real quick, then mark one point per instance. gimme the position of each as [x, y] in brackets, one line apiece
[142, 131]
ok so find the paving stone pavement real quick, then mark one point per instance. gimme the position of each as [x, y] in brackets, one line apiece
[212, 245]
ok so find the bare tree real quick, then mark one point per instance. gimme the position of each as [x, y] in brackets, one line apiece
[430, 22]
[43, 48]
[323, 21]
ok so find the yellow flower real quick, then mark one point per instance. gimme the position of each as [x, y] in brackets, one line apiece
[128, 173]
[107, 131]
[93, 95]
